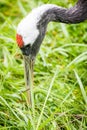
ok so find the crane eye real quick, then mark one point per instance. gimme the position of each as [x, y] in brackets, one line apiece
[19, 40]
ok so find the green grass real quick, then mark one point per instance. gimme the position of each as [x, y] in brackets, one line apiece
[60, 73]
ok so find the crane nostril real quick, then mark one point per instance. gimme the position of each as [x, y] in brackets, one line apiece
[19, 40]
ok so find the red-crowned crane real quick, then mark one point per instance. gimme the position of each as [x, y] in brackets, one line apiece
[31, 31]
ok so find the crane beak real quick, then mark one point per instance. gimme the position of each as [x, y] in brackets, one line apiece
[28, 66]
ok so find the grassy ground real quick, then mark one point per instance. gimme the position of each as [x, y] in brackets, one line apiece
[60, 73]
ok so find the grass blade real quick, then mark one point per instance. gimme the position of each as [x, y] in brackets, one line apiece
[81, 86]
[51, 85]
[10, 108]
[78, 59]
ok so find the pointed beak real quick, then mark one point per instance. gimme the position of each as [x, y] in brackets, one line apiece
[28, 65]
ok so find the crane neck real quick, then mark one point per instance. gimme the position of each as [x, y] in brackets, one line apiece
[75, 14]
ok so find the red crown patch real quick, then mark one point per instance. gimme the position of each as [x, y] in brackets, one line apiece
[19, 40]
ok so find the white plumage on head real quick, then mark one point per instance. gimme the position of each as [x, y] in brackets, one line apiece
[27, 28]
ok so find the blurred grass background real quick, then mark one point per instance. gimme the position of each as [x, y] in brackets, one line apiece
[60, 73]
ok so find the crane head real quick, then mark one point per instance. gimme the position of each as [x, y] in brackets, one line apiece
[31, 30]
[27, 34]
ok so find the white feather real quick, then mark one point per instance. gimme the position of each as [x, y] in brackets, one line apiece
[27, 28]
